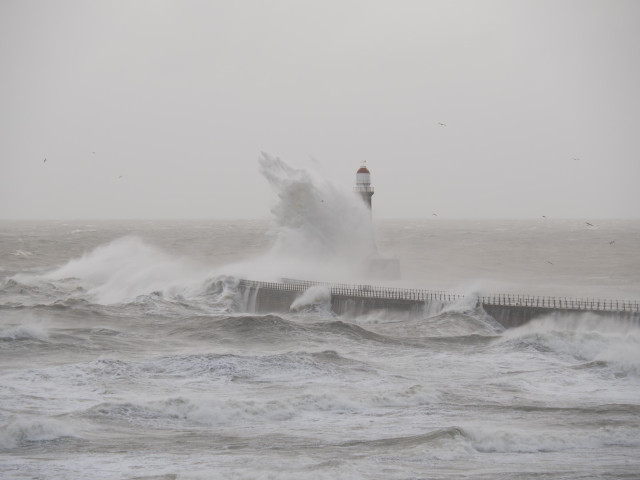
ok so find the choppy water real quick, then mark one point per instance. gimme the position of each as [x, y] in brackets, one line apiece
[125, 353]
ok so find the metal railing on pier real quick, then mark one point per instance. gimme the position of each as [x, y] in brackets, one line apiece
[420, 295]
[370, 291]
[561, 303]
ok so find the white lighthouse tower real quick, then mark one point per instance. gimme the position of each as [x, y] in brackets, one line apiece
[363, 184]
[377, 267]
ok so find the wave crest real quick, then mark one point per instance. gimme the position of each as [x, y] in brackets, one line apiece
[22, 431]
[586, 337]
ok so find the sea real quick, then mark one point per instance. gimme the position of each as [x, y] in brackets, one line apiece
[127, 352]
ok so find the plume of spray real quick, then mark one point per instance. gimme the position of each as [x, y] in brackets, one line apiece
[321, 230]
[126, 268]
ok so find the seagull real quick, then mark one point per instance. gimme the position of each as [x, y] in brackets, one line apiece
[590, 224]
[549, 262]
[120, 176]
[45, 160]
[612, 242]
[544, 216]
[576, 159]
[442, 124]
[434, 214]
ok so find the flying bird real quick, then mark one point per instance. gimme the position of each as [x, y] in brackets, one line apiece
[434, 214]
[45, 160]
[612, 242]
[442, 124]
[549, 262]
[589, 224]
[576, 159]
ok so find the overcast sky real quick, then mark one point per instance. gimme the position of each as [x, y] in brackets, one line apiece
[541, 101]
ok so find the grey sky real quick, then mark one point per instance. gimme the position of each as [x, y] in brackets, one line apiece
[179, 97]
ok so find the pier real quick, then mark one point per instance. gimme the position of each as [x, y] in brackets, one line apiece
[508, 309]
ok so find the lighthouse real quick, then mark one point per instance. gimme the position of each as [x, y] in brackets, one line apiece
[363, 184]
[377, 266]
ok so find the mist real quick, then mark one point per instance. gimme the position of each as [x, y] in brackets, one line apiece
[465, 109]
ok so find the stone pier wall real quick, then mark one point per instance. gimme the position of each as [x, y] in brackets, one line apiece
[509, 311]
[510, 316]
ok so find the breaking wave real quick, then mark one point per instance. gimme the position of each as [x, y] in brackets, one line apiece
[584, 338]
[126, 268]
[126, 271]
[316, 298]
[23, 332]
[503, 439]
[21, 431]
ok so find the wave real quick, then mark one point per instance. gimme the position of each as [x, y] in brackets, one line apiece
[319, 229]
[22, 253]
[449, 443]
[586, 338]
[126, 268]
[207, 368]
[217, 410]
[228, 367]
[316, 298]
[409, 441]
[245, 328]
[351, 331]
[452, 327]
[504, 439]
[275, 330]
[21, 431]
[23, 332]
[209, 409]
[125, 273]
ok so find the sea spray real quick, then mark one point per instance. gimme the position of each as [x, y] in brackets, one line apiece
[317, 297]
[320, 229]
[119, 271]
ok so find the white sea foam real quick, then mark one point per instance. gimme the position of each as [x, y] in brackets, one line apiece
[22, 430]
